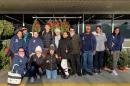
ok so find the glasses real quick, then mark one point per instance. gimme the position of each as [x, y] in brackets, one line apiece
[71, 29]
[21, 51]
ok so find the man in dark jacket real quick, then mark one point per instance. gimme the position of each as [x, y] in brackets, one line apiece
[47, 36]
[75, 57]
[88, 48]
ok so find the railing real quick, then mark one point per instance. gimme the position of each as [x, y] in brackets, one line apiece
[126, 44]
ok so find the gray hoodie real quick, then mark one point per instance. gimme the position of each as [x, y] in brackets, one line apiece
[101, 39]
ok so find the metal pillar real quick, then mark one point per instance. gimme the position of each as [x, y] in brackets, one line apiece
[83, 24]
[78, 27]
[113, 17]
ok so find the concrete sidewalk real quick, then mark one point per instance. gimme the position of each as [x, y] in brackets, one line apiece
[104, 77]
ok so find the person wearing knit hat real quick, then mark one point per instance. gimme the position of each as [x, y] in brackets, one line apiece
[38, 49]
[52, 47]
[37, 64]
[51, 63]
[57, 30]
[56, 39]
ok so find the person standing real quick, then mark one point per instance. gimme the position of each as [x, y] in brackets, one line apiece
[26, 38]
[26, 34]
[100, 47]
[34, 42]
[115, 41]
[15, 43]
[56, 40]
[47, 37]
[64, 51]
[75, 57]
[88, 48]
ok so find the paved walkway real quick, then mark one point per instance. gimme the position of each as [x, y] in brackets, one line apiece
[102, 79]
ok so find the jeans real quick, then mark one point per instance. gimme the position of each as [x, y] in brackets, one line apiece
[88, 61]
[51, 74]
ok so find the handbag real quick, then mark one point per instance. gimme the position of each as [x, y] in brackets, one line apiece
[14, 78]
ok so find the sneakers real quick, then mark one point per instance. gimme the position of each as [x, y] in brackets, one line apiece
[114, 73]
[89, 73]
[38, 77]
[66, 77]
[31, 79]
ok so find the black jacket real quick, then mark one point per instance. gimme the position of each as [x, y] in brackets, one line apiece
[65, 44]
[47, 38]
[38, 62]
[51, 62]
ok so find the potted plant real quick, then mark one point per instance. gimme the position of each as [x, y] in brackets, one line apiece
[6, 28]
[36, 27]
[62, 25]
[123, 60]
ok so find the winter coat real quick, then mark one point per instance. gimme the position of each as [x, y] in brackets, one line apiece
[51, 62]
[65, 44]
[76, 44]
[16, 43]
[47, 39]
[37, 62]
[88, 42]
[21, 62]
[33, 43]
[114, 43]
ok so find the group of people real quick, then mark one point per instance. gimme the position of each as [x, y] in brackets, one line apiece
[64, 53]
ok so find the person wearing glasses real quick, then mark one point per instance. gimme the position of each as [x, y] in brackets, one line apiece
[21, 61]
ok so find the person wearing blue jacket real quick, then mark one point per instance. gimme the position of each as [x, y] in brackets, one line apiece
[19, 62]
[114, 43]
[15, 43]
[34, 42]
[26, 38]
[88, 49]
